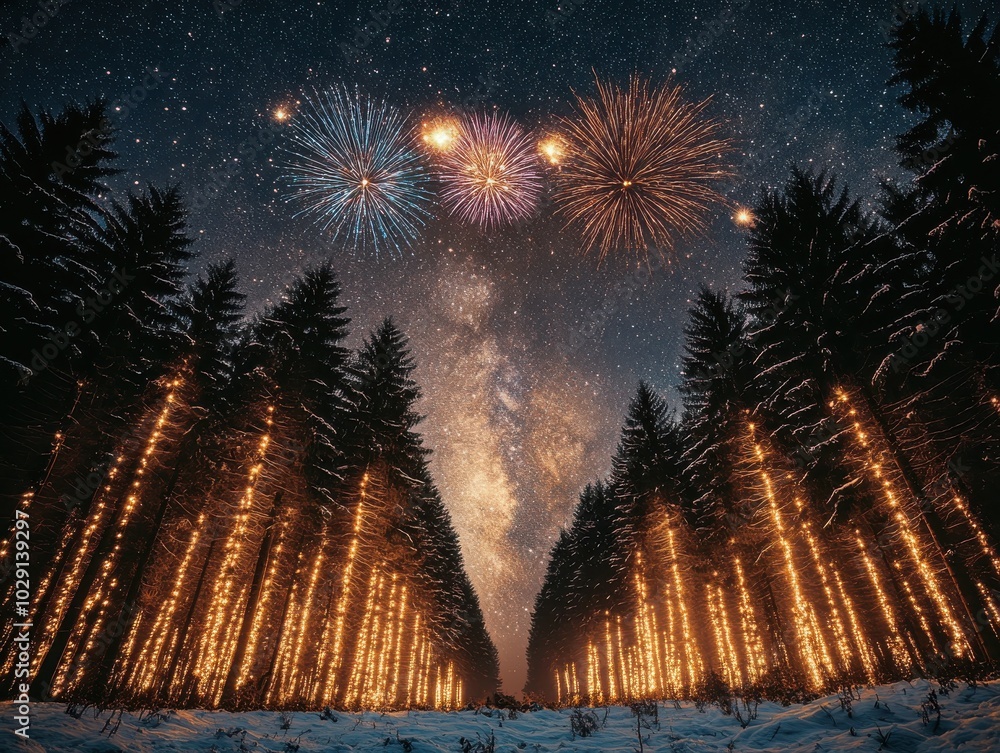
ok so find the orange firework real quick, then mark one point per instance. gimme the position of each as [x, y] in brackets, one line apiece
[639, 168]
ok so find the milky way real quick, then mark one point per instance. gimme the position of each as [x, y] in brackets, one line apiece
[527, 352]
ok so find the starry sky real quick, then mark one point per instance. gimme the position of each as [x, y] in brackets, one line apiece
[528, 351]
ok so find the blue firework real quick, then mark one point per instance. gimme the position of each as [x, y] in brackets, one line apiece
[353, 169]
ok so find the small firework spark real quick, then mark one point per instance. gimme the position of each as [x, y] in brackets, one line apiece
[354, 170]
[440, 134]
[552, 149]
[743, 217]
[639, 167]
[491, 174]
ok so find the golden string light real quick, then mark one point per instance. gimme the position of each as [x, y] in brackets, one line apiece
[984, 543]
[810, 641]
[905, 528]
[840, 638]
[725, 651]
[90, 623]
[330, 685]
[752, 642]
[214, 650]
[897, 643]
[609, 659]
[183, 642]
[147, 663]
[379, 644]
[691, 657]
[861, 638]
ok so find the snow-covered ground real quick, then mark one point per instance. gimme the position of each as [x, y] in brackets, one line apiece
[970, 721]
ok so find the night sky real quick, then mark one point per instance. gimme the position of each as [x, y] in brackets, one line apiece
[528, 352]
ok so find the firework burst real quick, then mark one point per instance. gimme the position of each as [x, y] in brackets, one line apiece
[439, 134]
[639, 168]
[353, 169]
[553, 150]
[490, 174]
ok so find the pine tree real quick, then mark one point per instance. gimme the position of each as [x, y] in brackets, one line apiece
[947, 218]
[383, 394]
[952, 81]
[382, 422]
[212, 314]
[455, 610]
[552, 635]
[48, 215]
[244, 441]
[138, 331]
[212, 311]
[949, 213]
[49, 266]
[805, 251]
[647, 460]
[298, 360]
[718, 391]
[133, 334]
[812, 389]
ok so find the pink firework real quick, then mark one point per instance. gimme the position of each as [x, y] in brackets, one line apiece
[490, 172]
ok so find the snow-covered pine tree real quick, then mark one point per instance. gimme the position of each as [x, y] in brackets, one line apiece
[946, 346]
[718, 390]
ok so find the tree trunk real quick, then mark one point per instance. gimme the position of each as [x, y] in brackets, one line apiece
[185, 624]
[127, 609]
[912, 628]
[774, 627]
[42, 682]
[273, 662]
[971, 599]
[250, 610]
[54, 454]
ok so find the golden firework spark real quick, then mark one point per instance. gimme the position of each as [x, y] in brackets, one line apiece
[640, 167]
[552, 149]
[440, 134]
[744, 217]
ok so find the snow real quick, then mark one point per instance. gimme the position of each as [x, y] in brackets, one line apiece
[970, 721]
